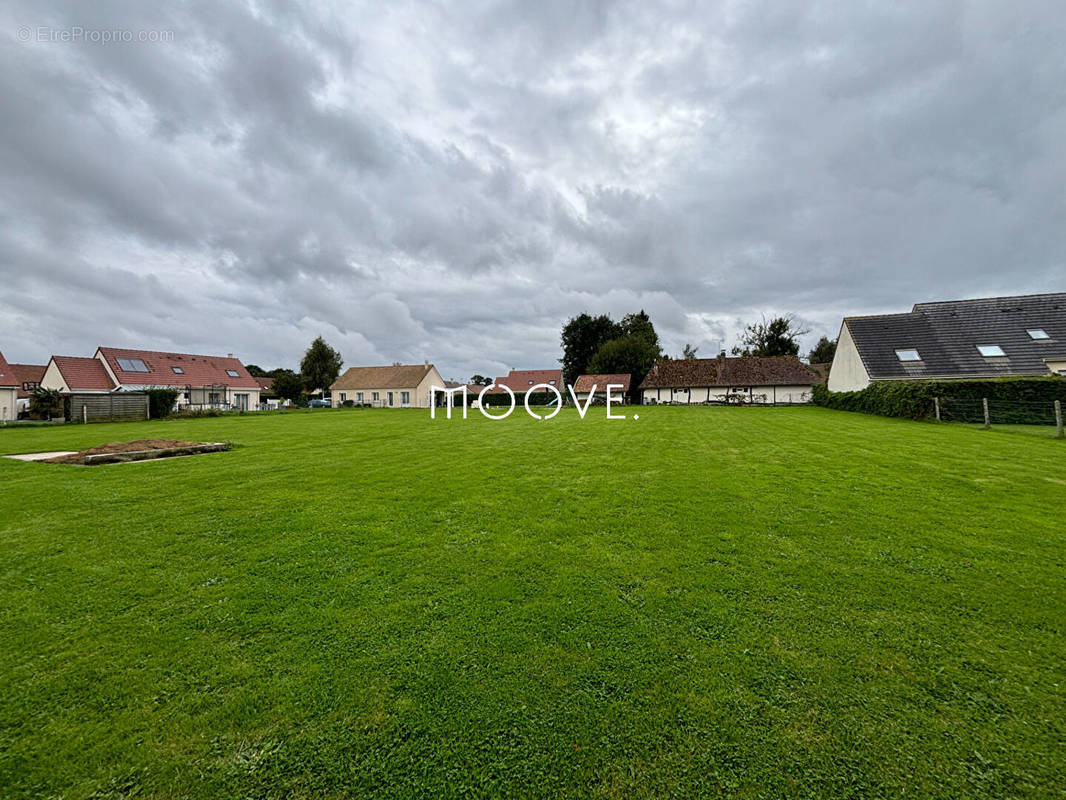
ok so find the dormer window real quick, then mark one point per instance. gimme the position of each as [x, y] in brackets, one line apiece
[1037, 333]
[908, 354]
[990, 350]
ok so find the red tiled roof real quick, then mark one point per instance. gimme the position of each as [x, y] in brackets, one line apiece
[739, 371]
[83, 374]
[29, 377]
[265, 384]
[586, 382]
[195, 370]
[519, 380]
[8, 378]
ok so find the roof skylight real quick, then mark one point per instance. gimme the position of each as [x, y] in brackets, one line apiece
[233, 373]
[990, 350]
[178, 370]
[908, 355]
[1037, 333]
[131, 365]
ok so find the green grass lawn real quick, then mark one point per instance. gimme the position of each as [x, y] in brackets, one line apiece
[707, 602]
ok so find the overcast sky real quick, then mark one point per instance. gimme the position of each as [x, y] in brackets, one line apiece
[452, 181]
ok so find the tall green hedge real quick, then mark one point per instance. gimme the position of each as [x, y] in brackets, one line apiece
[161, 402]
[914, 399]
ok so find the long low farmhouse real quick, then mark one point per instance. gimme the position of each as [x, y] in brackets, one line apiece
[743, 379]
[991, 337]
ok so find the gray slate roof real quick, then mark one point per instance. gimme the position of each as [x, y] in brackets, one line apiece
[946, 335]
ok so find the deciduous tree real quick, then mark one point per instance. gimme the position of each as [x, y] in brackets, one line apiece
[778, 337]
[320, 366]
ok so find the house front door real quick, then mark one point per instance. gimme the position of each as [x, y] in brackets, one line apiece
[390, 399]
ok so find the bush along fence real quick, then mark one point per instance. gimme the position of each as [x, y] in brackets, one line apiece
[1018, 401]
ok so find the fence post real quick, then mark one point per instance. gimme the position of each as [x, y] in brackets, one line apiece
[1058, 419]
[988, 420]
[936, 407]
[84, 414]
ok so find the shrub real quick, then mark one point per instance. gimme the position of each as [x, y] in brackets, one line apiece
[914, 399]
[194, 413]
[46, 403]
[161, 402]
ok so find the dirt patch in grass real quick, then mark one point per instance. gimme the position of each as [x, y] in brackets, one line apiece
[137, 450]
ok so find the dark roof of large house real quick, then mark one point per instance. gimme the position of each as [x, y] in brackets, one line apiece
[586, 382]
[946, 336]
[399, 376]
[723, 371]
[83, 374]
[29, 377]
[162, 369]
[8, 378]
[519, 380]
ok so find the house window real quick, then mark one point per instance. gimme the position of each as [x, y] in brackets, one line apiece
[405, 398]
[990, 350]
[390, 399]
[552, 381]
[908, 355]
[359, 397]
[531, 383]
[1037, 333]
[233, 373]
[131, 365]
[178, 370]
[344, 397]
[214, 398]
[376, 395]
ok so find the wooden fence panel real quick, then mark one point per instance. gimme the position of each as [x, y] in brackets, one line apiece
[111, 407]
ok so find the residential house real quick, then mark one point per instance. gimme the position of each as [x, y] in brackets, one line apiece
[9, 387]
[520, 381]
[69, 374]
[201, 381]
[29, 378]
[985, 338]
[743, 379]
[586, 383]
[398, 386]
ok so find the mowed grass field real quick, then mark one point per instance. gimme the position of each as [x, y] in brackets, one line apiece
[705, 602]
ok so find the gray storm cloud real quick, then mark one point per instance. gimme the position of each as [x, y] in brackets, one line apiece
[417, 181]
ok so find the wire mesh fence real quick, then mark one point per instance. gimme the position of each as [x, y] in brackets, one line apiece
[999, 412]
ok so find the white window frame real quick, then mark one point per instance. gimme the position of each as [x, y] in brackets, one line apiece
[1038, 334]
[903, 354]
[993, 350]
